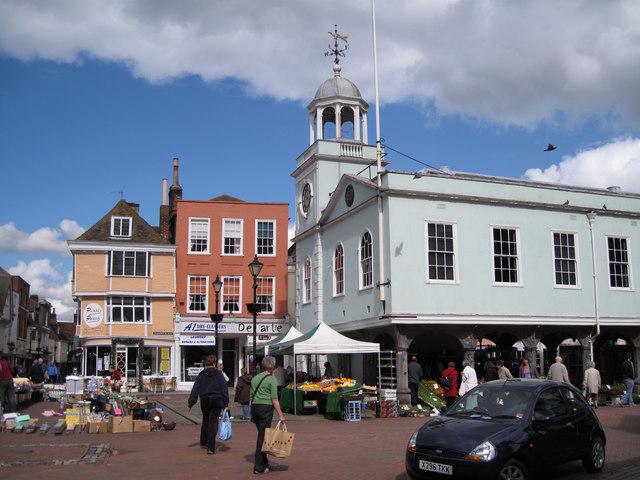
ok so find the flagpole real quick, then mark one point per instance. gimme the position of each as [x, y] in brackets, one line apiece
[381, 280]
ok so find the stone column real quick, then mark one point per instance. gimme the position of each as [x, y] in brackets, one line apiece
[338, 119]
[356, 123]
[531, 351]
[402, 364]
[319, 124]
[469, 343]
[636, 358]
[311, 126]
[365, 134]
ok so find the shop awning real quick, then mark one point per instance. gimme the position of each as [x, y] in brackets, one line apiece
[291, 334]
[323, 340]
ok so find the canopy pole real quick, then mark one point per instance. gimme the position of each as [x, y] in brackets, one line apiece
[295, 386]
[379, 373]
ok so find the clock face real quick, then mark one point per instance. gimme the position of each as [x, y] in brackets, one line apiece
[349, 195]
[306, 198]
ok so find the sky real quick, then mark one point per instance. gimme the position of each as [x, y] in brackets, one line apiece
[97, 97]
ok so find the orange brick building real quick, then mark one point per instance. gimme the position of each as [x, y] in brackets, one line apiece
[219, 237]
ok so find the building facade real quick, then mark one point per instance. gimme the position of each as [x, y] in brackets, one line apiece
[124, 285]
[219, 238]
[468, 260]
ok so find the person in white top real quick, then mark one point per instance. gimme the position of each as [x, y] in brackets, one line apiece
[469, 378]
[221, 368]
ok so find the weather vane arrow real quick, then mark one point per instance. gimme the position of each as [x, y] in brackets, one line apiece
[334, 49]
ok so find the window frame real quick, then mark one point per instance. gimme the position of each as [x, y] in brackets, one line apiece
[306, 299]
[576, 237]
[630, 288]
[361, 286]
[148, 303]
[333, 275]
[121, 218]
[519, 263]
[109, 263]
[208, 250]
[225, 279]
[241, 220]
[275, 224]
[273, 294]
[206, 298]
[456, 273]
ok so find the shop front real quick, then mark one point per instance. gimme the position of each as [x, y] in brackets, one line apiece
[195, 340]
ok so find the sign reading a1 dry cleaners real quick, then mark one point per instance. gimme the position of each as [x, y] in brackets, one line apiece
[229, 327]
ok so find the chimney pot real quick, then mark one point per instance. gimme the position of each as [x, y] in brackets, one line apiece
[165, 199]
[175, 172]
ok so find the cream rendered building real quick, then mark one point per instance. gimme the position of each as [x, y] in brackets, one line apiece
[124, 284]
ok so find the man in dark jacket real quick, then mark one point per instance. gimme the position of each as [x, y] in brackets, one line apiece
[414, 374]
[243, 393]
[629, 379]
[211, 387]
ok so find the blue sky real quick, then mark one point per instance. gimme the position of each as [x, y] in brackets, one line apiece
[79, 123]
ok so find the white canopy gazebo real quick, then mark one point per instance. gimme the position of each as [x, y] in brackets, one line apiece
[291, 334]
[322, 340]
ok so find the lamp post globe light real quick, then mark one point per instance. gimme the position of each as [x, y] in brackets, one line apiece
[216, 318]
[255, 267]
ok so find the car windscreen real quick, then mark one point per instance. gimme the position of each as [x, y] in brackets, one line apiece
[492, 402]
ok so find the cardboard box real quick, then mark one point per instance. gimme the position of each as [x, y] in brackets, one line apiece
[141, 426]
[121, 424]
[98, 426]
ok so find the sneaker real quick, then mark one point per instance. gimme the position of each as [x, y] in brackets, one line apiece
[258, 472]
[210, 452]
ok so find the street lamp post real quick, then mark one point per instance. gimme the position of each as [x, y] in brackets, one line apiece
[255, 267]
[216, 318]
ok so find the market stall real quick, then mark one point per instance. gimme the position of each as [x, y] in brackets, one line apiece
[291, 334]
[322, 340]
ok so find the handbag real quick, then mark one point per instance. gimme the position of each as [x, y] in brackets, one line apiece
[278, 442]
[225, 430]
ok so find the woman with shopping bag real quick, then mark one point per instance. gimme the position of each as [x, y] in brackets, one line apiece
[211, 387]
[264, 399]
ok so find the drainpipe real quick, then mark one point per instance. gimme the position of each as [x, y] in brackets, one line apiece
[591, 217]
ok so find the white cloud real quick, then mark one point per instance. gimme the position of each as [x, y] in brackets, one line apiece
[615, 163]
[48, 283]
[504, 61]
[291, 232]
[44, 239]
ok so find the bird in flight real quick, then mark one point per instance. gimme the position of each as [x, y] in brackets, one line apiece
[550, 148]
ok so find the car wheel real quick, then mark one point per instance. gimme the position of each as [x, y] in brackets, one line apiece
[593, 461]
[513, 470]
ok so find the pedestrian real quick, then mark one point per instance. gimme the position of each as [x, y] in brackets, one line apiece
[221, 368]
[503, 372]
[243, 393]
[52, 371]
[264, 399]
[558, 371]
[469, 378]
[526, 370]
[211, 387]
[629, 379]
[7, 392]
[328, 370]
[37, 379]
[449, 382]
[591, 384]
[414, 374]
[490, 371]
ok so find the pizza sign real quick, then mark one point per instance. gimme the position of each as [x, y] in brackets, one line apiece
[93, 315]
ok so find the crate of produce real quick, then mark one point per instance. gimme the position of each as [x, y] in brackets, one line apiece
[352, 411]
[388, 409]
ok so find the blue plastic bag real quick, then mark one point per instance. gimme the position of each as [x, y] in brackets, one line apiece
[225, 431]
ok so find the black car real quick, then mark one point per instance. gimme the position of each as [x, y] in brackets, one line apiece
[507, 429]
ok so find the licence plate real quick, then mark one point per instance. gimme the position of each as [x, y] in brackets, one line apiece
[436, 467]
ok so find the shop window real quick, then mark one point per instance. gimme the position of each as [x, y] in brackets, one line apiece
[120, 226]
[618, 262]
[129, 264]
[565, 261]
[198, 291]
[156, 361]
[232, 236]
[199, 235]
[129, 309]
[265, 294]
[231, 294]
[441, 259]
[505, 256]
[98, 360]
[266, 237]
[366, 261]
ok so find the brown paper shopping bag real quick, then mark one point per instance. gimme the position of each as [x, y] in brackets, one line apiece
[277, 441]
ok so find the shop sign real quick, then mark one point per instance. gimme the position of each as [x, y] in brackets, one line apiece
[229, 327]
[194, 371]
[162, 333]
[93, 315]
[165, 360]
[197, 340]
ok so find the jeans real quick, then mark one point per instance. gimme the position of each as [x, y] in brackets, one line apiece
[628, 396]
[7, 396]
[246, 410]
[261, 415]
[211, 409]
[414, 393]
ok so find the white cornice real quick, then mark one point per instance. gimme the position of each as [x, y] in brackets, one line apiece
[119, 293]
[83, 246]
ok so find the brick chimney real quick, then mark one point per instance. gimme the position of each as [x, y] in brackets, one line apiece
[164, 211]
[175, 194]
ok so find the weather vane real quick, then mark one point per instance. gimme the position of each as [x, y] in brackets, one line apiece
[335, 50]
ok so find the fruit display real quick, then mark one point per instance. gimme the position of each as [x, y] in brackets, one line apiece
[406, 410]
[328, 385]
[431, 394]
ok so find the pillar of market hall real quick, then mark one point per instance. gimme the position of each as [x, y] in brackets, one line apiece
[586, 347]
[469, 344]
[636, 357]
[531, 352]
[403, 340]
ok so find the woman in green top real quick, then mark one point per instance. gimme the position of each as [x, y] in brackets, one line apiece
[264, 398]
